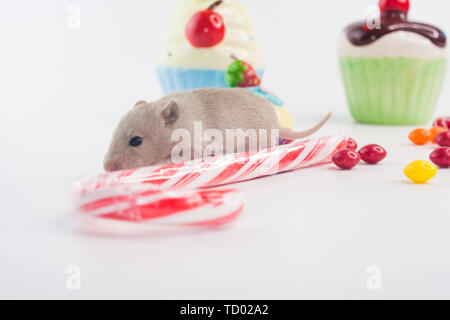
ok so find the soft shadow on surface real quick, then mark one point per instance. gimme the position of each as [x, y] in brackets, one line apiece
[335, 168]
[428, 184]
[105, 228]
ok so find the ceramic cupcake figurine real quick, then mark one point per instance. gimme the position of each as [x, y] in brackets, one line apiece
[393, 72]
[202, 38]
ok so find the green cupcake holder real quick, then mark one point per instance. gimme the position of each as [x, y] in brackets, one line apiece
[392, 91]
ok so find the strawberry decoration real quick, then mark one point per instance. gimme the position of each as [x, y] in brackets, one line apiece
[394, 5]
[206, 28]
[241, 74]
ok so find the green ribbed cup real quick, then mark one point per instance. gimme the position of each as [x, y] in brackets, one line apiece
[392, 91]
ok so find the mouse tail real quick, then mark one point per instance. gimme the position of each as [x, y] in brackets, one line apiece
[293, 135]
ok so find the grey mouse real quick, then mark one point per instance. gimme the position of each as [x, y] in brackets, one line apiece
[144, 136]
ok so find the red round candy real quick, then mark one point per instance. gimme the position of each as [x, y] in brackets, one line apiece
[394, 5]
[442, 122]
[351, 144]
[441, 157]
[372, 153]
[205, 29]
[443, 139]
[346, 159]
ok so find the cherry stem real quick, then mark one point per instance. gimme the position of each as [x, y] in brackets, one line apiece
[215, 5]
[234, 57]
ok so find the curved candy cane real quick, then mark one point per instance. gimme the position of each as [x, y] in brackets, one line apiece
[165, 194]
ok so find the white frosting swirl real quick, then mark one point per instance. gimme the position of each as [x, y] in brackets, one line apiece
[239, 38]
[395, 44]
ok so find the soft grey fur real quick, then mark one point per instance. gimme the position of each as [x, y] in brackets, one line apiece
[156, 121]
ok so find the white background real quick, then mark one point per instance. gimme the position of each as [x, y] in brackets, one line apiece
[306, 234]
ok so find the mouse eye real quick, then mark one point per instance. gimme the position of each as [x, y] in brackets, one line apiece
[136, 141]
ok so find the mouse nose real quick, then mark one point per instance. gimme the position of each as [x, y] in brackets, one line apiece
[111, 165]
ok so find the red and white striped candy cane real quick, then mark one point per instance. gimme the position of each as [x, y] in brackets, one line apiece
[227, 169]
[159, 194]
[186, 207]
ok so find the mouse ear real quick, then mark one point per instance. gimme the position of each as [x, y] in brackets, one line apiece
[140, 102]
[170, 113]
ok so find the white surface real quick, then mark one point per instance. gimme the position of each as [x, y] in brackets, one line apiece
[396, 44]
[307, 234]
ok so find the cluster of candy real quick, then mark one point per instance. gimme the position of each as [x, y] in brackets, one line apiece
[349, 158]
[422, 136]
[423, 171]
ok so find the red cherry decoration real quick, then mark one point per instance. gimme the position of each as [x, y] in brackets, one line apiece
[443, 139]
[441, 157]
[346, 159]
[351, 144]
[206, 28]
[372, 153]
[394, 5]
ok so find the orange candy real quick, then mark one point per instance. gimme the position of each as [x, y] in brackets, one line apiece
[435, 131]
[420, 136]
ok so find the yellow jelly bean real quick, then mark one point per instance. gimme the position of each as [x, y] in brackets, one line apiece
[420, 171]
